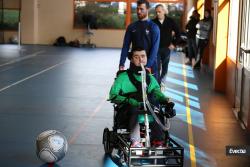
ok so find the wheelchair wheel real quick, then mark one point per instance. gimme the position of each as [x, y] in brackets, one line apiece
[106, 141]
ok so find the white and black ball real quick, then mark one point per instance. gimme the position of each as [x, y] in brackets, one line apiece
[51, 146]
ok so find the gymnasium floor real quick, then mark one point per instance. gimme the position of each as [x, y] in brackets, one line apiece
[45, 87]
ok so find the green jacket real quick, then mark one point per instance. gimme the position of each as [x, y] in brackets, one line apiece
[123, 86]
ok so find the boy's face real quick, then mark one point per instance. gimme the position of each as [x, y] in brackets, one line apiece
[142, 11]
[139, 57]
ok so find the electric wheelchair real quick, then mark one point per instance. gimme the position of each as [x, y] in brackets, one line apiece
[116, 141]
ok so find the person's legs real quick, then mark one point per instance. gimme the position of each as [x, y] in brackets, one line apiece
[134, 128]
[157, 134]
[202, 43]
[156, 131]
[155, 70]
[165, 57]
[159, 63]
[197, 48]
[198, 56]
[158, 67]
[190, 51]
[193, 47]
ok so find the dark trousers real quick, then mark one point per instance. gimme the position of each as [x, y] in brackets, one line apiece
[201, 45]
[163, 61]
[155, 70]
[192, 49]
[156, 132]
[129, 116]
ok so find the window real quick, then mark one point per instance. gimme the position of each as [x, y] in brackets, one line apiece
[175, 11]
[9, 19]
[105, 15]
[233, 28]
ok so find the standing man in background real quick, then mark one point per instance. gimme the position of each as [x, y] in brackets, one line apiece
[142, 33]
[191, 34]
[169, 33]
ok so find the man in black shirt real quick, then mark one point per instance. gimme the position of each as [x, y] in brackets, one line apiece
[191, 34]
[168, 30]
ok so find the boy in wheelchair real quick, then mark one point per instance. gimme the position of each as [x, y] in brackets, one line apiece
[126, 93]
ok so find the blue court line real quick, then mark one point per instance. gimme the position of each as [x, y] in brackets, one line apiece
[194, 104]
[182, 83]
[183, 94]
[174, 96]
[180, 66]
[181, 98]
[197, 116]
[178, 70]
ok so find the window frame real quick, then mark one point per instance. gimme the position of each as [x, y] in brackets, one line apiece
[128, 9]
[3, 20]
[7, 7]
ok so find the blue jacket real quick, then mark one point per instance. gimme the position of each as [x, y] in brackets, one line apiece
[145, 34]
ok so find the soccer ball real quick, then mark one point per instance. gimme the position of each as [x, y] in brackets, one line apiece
[51, 146]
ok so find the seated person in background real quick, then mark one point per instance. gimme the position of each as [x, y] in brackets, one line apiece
[127, 93]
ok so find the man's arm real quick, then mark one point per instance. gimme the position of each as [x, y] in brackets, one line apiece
[125, 48]
[155, 45]
[176, 30]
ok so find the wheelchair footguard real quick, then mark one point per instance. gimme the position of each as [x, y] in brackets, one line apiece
[164, 150]
[170, 155]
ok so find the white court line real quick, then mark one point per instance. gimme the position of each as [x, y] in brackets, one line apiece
[31, 76]
[22, 58]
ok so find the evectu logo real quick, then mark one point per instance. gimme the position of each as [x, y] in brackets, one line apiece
[237, 150]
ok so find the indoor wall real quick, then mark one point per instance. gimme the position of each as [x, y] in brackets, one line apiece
[44, 20]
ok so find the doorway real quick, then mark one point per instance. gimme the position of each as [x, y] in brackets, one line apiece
[242, 95]
[1, 23]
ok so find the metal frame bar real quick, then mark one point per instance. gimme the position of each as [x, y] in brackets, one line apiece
[174, 155]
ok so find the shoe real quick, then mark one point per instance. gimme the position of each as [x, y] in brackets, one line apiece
[158, 143]
[188, 63]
